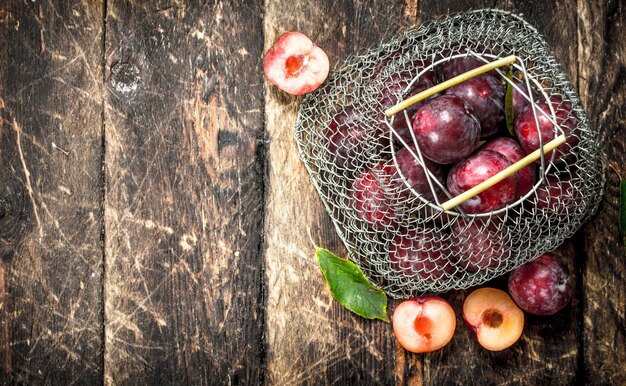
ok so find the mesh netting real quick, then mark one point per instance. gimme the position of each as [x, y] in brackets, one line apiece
[389, 219]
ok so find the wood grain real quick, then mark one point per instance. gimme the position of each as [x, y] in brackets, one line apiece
[311, 339]
[50, 193]
[548, 351]
[602, 75]
[184, 193]
[154, 211]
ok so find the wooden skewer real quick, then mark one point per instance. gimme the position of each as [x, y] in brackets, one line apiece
[491, 181]
[449, 83]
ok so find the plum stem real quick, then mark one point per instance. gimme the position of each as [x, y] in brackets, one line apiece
[504, 173]
[449, 83]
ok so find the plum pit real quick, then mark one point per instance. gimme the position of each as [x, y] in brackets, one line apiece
[492, 318]
[295, 64]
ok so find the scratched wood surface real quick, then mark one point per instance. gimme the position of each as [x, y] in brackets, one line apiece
[602, 84]
[51, 213]
[184, 193]
[154, 212]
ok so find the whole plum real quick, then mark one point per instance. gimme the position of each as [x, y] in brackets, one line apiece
[476, 169]
[446, 129]
[542, 286]
[485, 94]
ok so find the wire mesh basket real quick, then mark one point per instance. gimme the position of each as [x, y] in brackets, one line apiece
[391, 218]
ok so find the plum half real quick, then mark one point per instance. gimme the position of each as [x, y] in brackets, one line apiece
[494, 318]
[424, 324]
[295, 64]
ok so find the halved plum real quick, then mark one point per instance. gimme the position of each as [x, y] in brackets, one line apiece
[295, 64]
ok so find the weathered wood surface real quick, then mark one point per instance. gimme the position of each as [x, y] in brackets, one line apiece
[162, 239]
[602, 85]
[184, 193]
[50, 193]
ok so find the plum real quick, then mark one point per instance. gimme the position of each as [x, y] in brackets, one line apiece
[416, 175]
[424, 324]
[458, 66]
[558, 194]
[420, 254]
[349, 138]
[400, 124]
[476, 169]
[542, 286]
[446, 129]
[375, 196]
[512, 150]
[295, 64]
[380, 194]
[528, 135]
[519, 100]
[480, 246]
[494, 318]
[485, 94]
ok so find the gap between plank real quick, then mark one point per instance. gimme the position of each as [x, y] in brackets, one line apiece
[104, 189]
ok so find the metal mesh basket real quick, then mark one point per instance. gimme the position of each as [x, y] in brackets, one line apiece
[401, 238]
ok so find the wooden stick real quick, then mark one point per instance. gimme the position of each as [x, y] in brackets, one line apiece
[449, 83]
[491, 181]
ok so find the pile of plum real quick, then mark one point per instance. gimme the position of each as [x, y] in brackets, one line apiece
[462, 136]
[463, 139]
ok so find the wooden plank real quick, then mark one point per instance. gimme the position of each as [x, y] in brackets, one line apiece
[602, 63]
[51, 193]
[184, 196]
[548, 352]
[311, 338]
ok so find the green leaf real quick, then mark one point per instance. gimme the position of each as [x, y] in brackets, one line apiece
[508, 102]
[351, 288]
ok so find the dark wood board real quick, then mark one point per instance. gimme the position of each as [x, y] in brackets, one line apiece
[184, 193]
[602, 85]
[311, 339]
[154, 213]
[50, 193]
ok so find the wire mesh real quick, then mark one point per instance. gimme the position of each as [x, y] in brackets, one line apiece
[389, 219]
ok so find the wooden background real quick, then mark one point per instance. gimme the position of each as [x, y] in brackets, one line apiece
[153, 209]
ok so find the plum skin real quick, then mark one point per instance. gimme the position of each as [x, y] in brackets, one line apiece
[519, 100]
[478, 246]
[379, 193]
[373, 194]
[542, 286]
[349, 138]
[476, 169]
[400, 125]
[512, 150]
[485, 94]
[446, 129]
[558, 194]
[416, 175]
[526, 128]
[457, 66]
